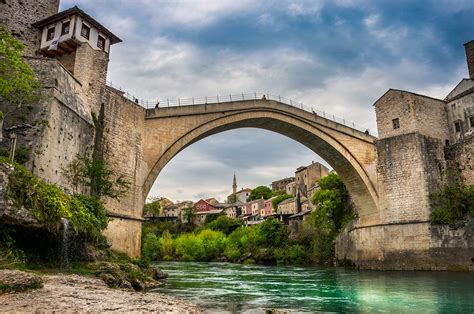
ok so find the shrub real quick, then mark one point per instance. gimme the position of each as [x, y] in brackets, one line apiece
[224, 224]
[453, 202]
[441, 216]
[151, 248]
[166, 244]
[189, 247]
[292, 255]
[213, 243]
[88, 216]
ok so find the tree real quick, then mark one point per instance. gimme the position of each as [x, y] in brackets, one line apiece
[97, 175]
[19, 87]
[332, 199]
[188, 215]
[259, 192]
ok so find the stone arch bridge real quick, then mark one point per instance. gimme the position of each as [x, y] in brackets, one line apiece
[142, 141]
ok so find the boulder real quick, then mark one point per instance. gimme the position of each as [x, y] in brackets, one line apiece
[156, 273]
[125, 276]
[17, 281]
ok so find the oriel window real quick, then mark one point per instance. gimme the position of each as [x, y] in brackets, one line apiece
[50, 34]
[85, 31]
[65, 28]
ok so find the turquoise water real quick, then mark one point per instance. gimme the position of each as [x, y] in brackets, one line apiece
[224, 287]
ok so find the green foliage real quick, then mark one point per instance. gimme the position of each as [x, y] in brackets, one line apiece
[453, 202]
[97, 175]
[152, 209]
[151, 248]
[18, 85]
[272, 233]
[292, 255]
[212, 217]
[22, 155]
[10, 255]
[166, 245]
[280, 198]
[188, 215]
[224, 224]
[88, 216]
[441, 216]
[48, 203]
[259, 192]
[332, 199]
[266, 242]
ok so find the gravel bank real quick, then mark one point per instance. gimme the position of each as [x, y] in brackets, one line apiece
[73, 293]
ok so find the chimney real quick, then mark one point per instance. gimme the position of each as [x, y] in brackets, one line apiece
[469, 47]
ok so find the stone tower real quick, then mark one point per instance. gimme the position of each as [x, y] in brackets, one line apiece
[19, 15]
[234, 185]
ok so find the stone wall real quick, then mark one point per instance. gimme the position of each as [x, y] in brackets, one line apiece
[460, 156]
[460, 110]
[120, 142]
[413, 246]
[409, 169]
[18, 15]
[416, 113]
[90, 69]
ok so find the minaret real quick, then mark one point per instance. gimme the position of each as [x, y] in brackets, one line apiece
[234, 185]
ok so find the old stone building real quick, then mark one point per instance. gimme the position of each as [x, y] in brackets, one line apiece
[280, 185]
[69, 51]
[307, 176]
[422, 142]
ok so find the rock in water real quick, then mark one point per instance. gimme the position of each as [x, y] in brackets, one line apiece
[17, 281]
[156, 273]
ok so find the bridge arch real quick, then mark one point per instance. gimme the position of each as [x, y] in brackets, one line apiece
[350, 153]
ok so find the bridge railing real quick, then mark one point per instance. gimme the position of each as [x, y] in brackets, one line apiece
[239, 97]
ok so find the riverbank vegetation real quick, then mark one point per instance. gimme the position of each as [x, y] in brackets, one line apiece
[453, 202]
[270, 242]
[44, 228]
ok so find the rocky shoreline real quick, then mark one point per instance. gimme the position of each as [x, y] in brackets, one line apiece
[74, 293]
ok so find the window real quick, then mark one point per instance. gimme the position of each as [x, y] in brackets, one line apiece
[85, 31]
[50, 35]
[471, 121]
[101, 42]
[396, 123]
[65, 28]
[457, 126]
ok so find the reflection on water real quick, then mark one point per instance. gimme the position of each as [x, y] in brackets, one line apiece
[223, 287]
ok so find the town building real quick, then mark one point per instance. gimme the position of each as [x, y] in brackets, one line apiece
[267, 209]
[280, 185]
[291, 188]
[257, 205]
[307, 176]
[233, 210]
[203, 208]
[170, 213]
[287, 207]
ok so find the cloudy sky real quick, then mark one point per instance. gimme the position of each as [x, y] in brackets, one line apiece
[338, 56]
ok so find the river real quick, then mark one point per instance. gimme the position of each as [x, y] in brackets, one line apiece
[225, 287]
